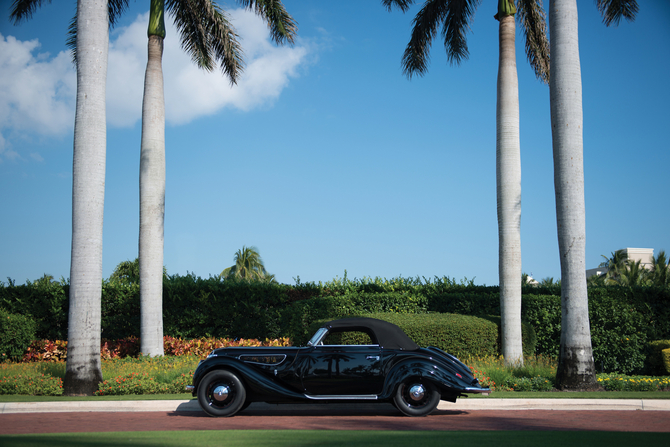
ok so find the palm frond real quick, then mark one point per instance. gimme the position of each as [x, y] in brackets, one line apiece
[456, 25]
[533, 20]
[71, 42]
[425, 24]
[403, 5]
[282, 26]
[24, 9]
[614, 10]
[115, 9]
[207, 35]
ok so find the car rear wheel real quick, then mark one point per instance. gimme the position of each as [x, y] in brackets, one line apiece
[415, 397]
[221, 393]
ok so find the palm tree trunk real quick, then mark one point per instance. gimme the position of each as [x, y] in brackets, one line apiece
[152, 202]
[508, 178]
[83, 372]
[576, 369]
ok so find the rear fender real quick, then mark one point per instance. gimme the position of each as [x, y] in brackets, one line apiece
[447, 382]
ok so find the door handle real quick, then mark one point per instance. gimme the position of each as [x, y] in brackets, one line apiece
[372, 357]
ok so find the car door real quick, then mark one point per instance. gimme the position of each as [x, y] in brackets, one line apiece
[343, 370]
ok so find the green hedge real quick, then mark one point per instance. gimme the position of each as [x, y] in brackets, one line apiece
[623, 320]
[16, 334]
[45, 301]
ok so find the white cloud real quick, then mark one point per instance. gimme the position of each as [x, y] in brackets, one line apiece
[190, 92]
[37, 91]
[37, 157]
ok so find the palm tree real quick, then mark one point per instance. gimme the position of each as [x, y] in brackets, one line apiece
[248, 265]
[576, 369]
[83, 372]
[615, 265]
[660, 269]
[633, 275]
[454, 17]
[549, 282]
[209, 38]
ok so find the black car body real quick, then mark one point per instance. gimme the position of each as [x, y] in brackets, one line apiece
[389, 367]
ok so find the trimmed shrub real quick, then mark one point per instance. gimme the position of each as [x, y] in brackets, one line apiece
[654, 363]
[528, 335]
[16, 334]
[460, 335]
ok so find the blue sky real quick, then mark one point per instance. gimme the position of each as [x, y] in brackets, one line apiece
[325, 156]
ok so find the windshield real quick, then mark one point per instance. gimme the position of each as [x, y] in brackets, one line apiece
[317, 337]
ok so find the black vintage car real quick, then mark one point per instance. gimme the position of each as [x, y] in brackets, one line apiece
[348, 360]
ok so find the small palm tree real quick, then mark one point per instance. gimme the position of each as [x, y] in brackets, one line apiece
[248, 265]
[660, 270]
[615, 265]
[550, 282]
[632, 275]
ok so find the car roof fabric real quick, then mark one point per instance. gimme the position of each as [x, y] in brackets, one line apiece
[388, 334]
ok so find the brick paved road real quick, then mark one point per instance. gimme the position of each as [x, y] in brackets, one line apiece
[386, 418]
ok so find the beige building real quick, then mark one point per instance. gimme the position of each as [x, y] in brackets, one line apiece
[644, 255]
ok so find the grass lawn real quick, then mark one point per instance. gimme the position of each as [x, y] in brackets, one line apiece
[331, 438]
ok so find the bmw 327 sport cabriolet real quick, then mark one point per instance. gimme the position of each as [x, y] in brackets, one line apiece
[386, 366]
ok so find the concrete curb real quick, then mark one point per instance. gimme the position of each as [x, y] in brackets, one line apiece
[111, 405]
[557, 404]
[461, 404]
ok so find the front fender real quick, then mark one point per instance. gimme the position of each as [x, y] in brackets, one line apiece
[257, 381]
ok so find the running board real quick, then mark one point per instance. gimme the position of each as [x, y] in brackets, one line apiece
[338, 397]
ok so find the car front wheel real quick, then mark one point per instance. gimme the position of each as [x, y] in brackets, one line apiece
[416, 398]
[221, 393]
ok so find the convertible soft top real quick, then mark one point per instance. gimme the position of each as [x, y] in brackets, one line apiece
[388, 335]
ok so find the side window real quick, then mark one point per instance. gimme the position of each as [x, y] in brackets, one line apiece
[348, 338]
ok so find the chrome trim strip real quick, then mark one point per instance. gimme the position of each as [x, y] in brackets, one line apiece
[337, 397]
[283, 357]
[347, 346]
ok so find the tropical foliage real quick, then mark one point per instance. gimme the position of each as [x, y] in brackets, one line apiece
[622, 271]
[248, 266]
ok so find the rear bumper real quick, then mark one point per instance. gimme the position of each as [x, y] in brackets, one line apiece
[482, 391]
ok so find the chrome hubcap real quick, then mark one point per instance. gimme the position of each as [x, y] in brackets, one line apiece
[416, 392]
[220, 393]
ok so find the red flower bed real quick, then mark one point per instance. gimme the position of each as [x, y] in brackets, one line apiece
[55, 351]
